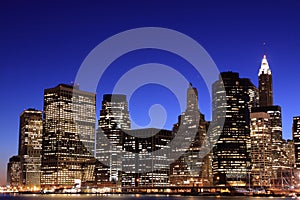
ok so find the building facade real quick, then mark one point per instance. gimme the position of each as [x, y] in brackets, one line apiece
[192, 167]
[114, 120]
[14, 172]
[287, 171]
[68, 135]
[296, 139]
[30, 147]
[261, 149]
[266, 105]
[277, 142]
[146, 159]
[231, 153]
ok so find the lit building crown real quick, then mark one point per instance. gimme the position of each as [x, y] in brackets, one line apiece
[264, 68]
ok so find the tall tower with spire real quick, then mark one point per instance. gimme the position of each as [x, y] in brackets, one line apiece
[265, 84]
[266, 105]
[190, 168]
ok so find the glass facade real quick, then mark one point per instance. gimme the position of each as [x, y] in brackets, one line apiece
[114, 119]
[30, 147]
[231, 153]
[296, 139]
[68, 136]
[143, 163]
[261, 149]
[277, 142]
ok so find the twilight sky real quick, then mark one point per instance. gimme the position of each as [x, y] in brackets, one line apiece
[43, 43]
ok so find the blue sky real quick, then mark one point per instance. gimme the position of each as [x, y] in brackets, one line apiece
[43, 43]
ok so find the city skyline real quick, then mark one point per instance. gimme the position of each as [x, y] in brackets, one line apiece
[46, 58]
[68, 111]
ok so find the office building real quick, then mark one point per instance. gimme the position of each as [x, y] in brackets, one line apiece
[68, 135]
[296, 139]
[114, 120]
[296, 142]
[30, 147]
[146, 159]
[287, 171]
[231, 153]
[266, 105]
[276, 134]
[289, 153]
[261, 149]
[192, 167]
[14, 172]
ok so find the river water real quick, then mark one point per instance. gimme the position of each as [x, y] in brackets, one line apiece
[126, 197]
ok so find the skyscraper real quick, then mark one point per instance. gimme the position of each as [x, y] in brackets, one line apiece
[276, 134]
[265, 84]
[231, 153]
[261, 149]
[68, 136]
[114, 119]
[296, 139]
[266, 105]
[190, 168]
[30, 147]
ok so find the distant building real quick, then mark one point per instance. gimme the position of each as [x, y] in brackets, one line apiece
[146, 159]
[289, 151]
[114, 119]
[190, 168]
[261, 149]
[68, 136]
[30, 147]
[287, 171]
[296, 139]
[14, 172]
[231, 153]
[265, 84]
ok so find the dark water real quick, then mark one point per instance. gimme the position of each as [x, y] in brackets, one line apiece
[127, 197]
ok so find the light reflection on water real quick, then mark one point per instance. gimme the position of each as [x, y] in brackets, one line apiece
[126, 197]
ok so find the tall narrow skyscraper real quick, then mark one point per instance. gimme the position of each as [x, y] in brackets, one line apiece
[231, 154]
[114, 119]
[30, 147]
[296, 139]
[68, 136]
[266, 105]
[265, 84]
[276, 134]
[261, 149]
